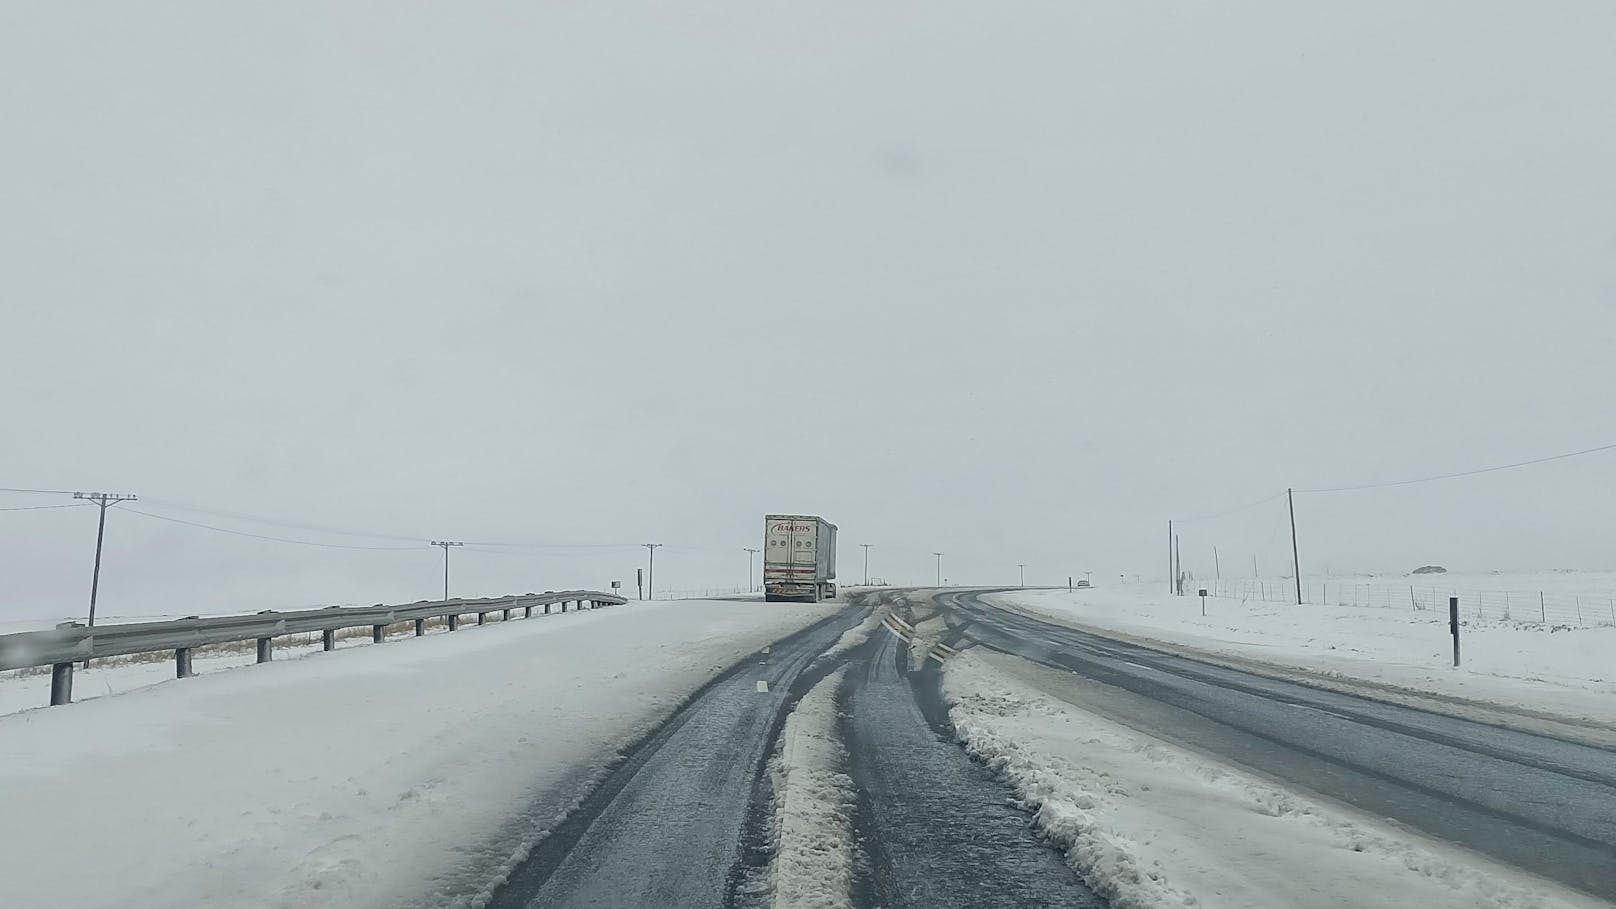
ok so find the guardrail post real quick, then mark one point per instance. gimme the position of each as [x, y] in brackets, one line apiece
[482, 618]
[420, 627]
[182, 663]
[529, 613]
[507, 616]
[563, 605]
[376, 633]
[328, 639]
[1613, 610]
[266, 651]
[454, 622]
[61, 684]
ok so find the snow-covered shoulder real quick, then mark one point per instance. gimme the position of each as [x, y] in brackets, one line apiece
[398, 775]
[1148, 824]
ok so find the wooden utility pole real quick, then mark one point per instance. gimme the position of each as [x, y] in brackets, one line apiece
[446, 545]
[1172, 560]
[102, 499]
[1296, 560]
[650, 570]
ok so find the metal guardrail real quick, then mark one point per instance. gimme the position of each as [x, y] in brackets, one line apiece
[66, 644]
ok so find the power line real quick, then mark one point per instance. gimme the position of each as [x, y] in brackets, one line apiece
[44, 507]
[500, 545]
[259, 536]
[291, 525]
[368, 534]
[42, 492]
[1230, 511]
[1465, 473]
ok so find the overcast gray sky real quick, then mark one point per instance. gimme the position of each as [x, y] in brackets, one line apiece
[1014, 281]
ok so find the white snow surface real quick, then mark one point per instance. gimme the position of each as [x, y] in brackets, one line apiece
[1150, 825]
[813, 862]
[405, 774]
[1559, 671]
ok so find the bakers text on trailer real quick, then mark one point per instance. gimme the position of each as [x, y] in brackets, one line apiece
[799, 558]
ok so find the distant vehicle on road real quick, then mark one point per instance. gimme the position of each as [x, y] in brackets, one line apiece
[1084, 583]
[799, 558]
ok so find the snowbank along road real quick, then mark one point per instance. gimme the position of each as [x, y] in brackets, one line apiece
[1542, 804]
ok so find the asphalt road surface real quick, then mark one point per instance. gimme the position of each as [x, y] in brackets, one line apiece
[1533, 801]
[936, 828]
[666, 827]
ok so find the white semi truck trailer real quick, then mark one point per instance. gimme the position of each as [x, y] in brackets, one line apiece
[799, 558]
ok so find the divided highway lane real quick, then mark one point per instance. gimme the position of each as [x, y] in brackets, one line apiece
[936, 829]
[666, 828]
[1536, 802]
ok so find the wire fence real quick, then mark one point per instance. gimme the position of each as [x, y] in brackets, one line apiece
[1529, 606]
[697, 593]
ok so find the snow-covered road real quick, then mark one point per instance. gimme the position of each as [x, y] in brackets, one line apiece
[622, 757]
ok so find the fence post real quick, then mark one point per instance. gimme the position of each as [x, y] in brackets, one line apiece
[1579, 610]
[328, 639]
[376, 633]
[182, 663]
[266, 651]
[1453, 625]
[1411, 604]
[1542, 611]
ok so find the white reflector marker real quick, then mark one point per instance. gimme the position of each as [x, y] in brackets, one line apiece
[763, 687]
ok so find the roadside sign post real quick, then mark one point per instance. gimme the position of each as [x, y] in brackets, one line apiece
[617, 588]
[1453, 626]
[639, 581]
[1203, 601]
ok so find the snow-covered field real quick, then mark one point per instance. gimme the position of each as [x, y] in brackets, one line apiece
[392, 775]
[1561, 671]
[1151, 825]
